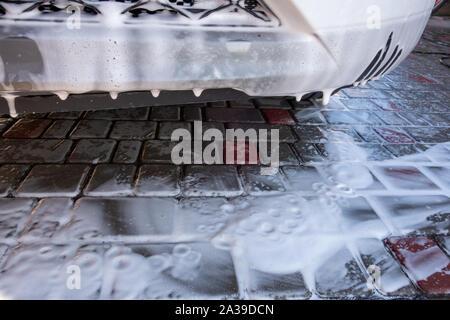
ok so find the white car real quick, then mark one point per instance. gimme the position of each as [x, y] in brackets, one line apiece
[63, 48]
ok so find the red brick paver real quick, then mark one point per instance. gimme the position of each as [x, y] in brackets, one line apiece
[425, 262]
[278, 116]
[27, 128]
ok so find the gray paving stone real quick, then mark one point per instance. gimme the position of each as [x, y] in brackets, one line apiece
[407, 178]
[308, 152]
[158, 271]
[302, 178]
[436, 119]
[165, 113]
[53, 181]
[48, 217]
[310, 116]
[119, 114]
[368, 134]
[311, 134]
[110, 180]
[273, 286]
[214, 180]
[127, 151]
[142, 130]
[424, 215]
[340, 277]
[33, 150]
[92, 151]
[369, 93]
[234, 115]
[167, 128]
[361, 104]
[58, 129]
[259, 185]
[14, 214]
[10, 176]
[192, 114]
[414, 118]
[157, 151]
[430, 135]
[342, 152]
[91, 129]
[286, 155]
[119, 218]
[392, 281]
[400, 150]
[354, 118]
[158, 181]
[391, 118]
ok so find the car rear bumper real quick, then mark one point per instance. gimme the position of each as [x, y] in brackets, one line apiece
[283, 48]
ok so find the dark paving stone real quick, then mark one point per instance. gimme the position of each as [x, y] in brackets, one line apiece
[92, 151]
[10, 176]
[234, 115]
[59, 129]
[158, 151]
[119, 114]
[33, 151]
[166, 113]
[127, 151]
[361, 104]
[275, 103]
[27, 128]
[307, 152]
[391, 118]
[65, 115]
[129, 130]
[393, 135]
[91, 129]
[192, 114]
[241, 104]
[166, 129]
[53, 181]
[111, 180]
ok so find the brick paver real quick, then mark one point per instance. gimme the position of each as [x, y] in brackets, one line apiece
[363, 187]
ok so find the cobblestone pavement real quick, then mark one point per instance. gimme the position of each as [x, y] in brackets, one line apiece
[362, 198]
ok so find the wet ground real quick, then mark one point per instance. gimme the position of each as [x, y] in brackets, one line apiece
[92, 207]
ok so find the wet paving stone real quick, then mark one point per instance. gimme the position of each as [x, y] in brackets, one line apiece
[258, 184]
[234, 115]
[159, 272]
[310, 116]
[388, 278]
[14, 214]
[33, 150]
[10, 177]
[424, 261]
[129, 130]
[192, 114]
[407, 178]
[127, 151]
[53, 181]
[308, 152]
[166, 129]
[302, 179]
[58, 129]
[340, 277]
[65, 115]
[91, 129]
[265, 285]
[430, 135]
[92, 151]
[285, 133]
[119, 114]
[158, 181]
[158, 151]
[110, 180]
[166, 113]
[212, 181]
[27, 128]
[424, 215]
